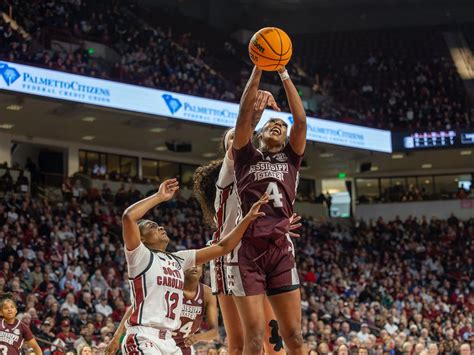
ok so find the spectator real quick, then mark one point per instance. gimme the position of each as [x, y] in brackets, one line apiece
[6, 181]
[66, 335]
[70, 305]
[103, 308]
[465, 349]
[22, 183]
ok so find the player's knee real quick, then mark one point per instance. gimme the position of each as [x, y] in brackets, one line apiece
[236, 345]
[294, 339]
[236, 349]
[254, 340]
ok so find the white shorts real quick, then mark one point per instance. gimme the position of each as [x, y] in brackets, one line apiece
[146, 340]
[218, 272]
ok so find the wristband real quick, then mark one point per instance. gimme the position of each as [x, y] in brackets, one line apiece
[284, 75]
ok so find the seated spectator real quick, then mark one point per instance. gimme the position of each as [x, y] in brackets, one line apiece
[22, 183]
[6, 181]
[66, 189]
[103, 307]
[70, 305]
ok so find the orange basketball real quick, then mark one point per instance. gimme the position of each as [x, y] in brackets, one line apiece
[270, 49]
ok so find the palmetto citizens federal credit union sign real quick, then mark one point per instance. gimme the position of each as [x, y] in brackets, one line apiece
[76, 88]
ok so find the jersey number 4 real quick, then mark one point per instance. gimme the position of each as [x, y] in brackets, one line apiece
[171, 304]
[185, 330]
[274, 195]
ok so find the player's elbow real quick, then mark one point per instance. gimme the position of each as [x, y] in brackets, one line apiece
[127, 216]
[224, 247]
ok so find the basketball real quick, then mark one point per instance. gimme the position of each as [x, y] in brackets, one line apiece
[270, 48]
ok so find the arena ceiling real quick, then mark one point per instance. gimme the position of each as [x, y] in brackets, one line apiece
[114, 129]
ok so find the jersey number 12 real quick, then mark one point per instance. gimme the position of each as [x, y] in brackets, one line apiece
[274, 195]
[171, 303]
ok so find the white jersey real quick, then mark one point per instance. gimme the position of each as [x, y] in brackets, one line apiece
[226, 205]
[156, 283]
[226, 202]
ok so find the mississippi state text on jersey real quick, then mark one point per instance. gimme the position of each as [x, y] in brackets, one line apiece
[191, 319]
[12, 337]
[277, 174]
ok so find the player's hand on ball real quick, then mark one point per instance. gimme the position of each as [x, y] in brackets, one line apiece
[263, 100]
[112, 347]
[254, 212]
[294, 224]
[167, 189]
[190, 341]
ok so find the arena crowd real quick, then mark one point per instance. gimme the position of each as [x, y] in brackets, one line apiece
[384, 287]
[393, 79]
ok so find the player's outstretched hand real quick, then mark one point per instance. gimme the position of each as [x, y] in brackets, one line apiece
[167, 189]
[265, 99]
[190, 340]
[112, 347]
[254, 212]
[294, 224]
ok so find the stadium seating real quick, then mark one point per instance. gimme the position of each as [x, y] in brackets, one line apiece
[398, 79]
[403, 279]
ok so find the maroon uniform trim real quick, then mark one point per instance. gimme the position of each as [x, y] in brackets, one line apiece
[219, 268]
[139, 290]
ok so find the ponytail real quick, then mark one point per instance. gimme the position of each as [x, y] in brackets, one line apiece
[205, 178]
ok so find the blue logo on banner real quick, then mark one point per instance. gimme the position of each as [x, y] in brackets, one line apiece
[9, 74]
[173, 104]
[290, 118]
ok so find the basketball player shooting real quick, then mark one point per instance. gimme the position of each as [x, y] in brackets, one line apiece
[264, 261]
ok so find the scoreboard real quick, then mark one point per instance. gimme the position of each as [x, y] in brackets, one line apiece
[432, 140]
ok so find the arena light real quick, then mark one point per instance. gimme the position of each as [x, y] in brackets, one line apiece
[426, 166]
[14, 107]
[209, 155]
[466, 152]
[161, 148]
[89, 119]
[374, 168]
[397, 156]
[326, 155]
[157, 130]
[6, 125]
[88, 138]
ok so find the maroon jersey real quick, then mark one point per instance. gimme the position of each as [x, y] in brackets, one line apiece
[277, 174]
[12, 337]
[191, 319]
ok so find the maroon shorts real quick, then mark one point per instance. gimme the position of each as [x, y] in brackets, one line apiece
[262, 266]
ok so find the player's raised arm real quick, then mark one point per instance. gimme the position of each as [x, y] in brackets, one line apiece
[131, 232]
[230, 241]
[298, 130]
[243, 127]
